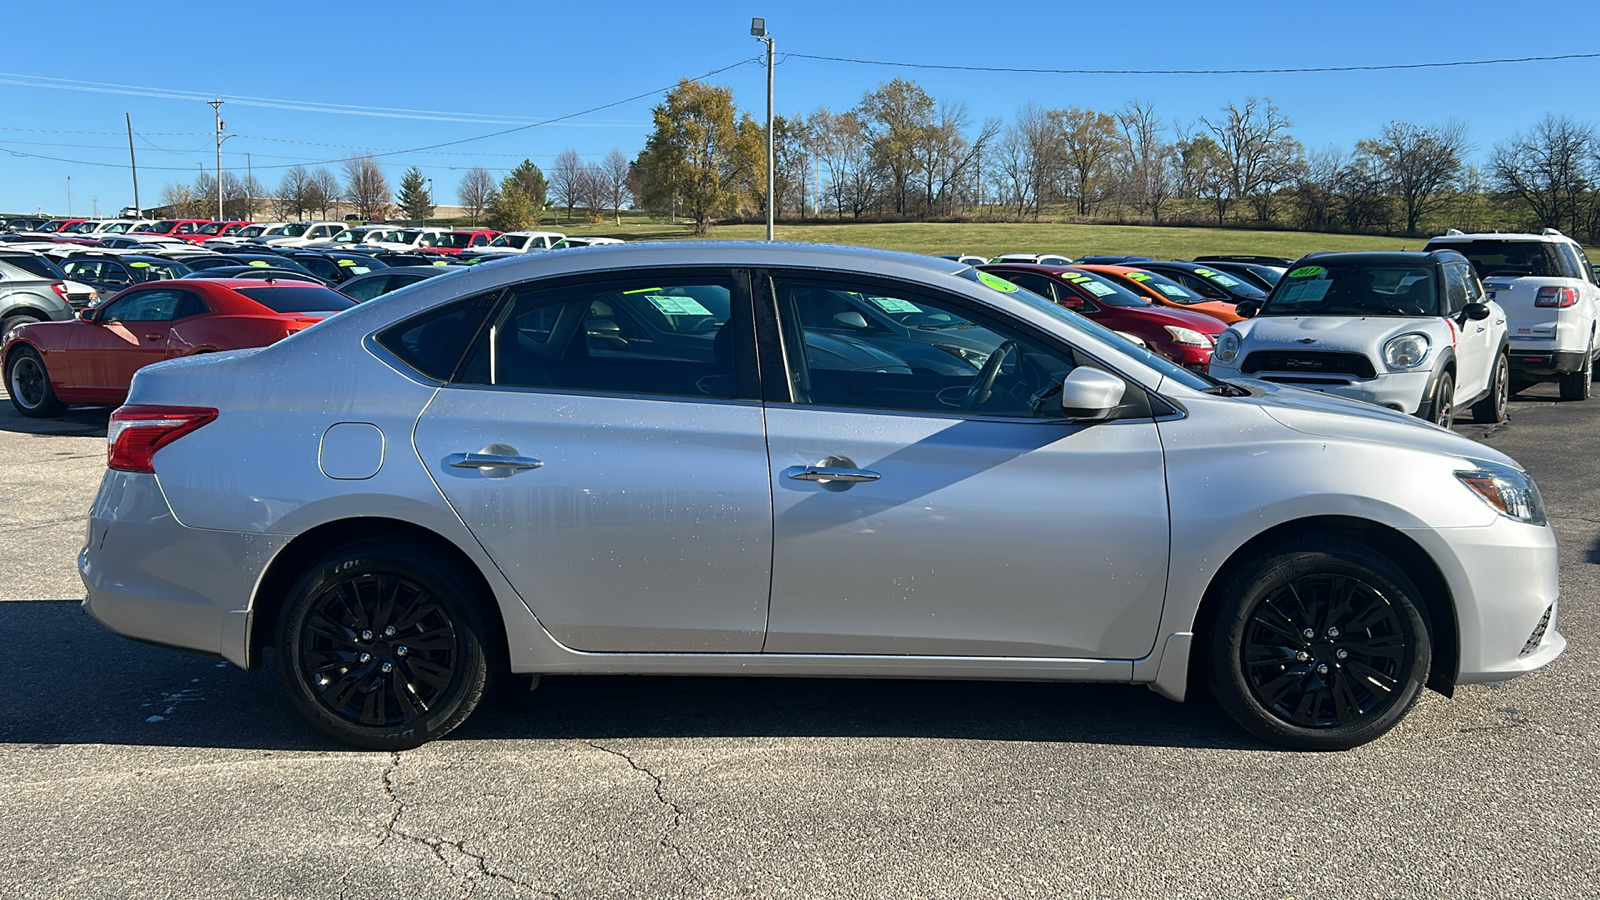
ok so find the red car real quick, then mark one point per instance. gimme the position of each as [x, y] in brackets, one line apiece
[451, 243]
[91, 360]
[205, 231]
[1186, 338]
[171, 227]
[56, 226]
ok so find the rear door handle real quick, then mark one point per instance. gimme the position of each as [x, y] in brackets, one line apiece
[825, 474]
[488, 462]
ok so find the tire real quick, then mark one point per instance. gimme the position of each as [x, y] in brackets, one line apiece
[1298, 692]
[1442, 408]
[28, 385]
[16, 321]
[334, 644]
[1492, 408]
[1575, 386]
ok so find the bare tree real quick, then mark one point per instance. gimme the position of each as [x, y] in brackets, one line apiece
[1424, 164]
[475, 192]
[896, 116]
[1257, 150]
[946, 155]
[1089, 142]
[1551, 170]
[325, 191]
[839, 143]
[565, 181]
[615, 174]
[1150, 180]
[1316, 188]
[294, 194]
[365, 188]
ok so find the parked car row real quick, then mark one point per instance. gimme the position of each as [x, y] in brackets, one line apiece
[1458, 326]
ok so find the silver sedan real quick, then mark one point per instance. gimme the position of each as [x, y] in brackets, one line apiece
[704, 459]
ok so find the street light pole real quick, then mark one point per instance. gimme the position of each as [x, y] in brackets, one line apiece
[216, 107]
[758, 28]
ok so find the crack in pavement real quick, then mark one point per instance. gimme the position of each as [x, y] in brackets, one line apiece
[467, 877]
[677, 812]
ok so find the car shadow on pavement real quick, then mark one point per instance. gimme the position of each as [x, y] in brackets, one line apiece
[66, 680]
[77, 421]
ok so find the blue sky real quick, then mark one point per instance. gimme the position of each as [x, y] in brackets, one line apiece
[509, 64]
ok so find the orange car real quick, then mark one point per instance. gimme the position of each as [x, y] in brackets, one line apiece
[1165, 291]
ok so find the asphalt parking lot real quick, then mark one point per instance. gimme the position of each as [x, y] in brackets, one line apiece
[137, 771]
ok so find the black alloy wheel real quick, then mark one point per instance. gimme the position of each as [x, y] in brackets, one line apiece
[28, 384]
[1322, 647]
[1492, 408]
[1443, 411]
[378, 648]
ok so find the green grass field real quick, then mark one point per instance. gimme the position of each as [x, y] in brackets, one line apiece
[991, 239]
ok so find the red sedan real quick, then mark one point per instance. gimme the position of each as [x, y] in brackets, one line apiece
[170, 227]
[453, 242]
[196, 233]
[1186, 338]
[91, 360]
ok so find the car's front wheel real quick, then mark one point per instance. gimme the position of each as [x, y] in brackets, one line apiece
[379, 646]
[1492, 408]
[1441, 409]
[28, 384]
[1319, 644]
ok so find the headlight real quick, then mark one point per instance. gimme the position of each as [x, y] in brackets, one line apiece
[1406, 351]
[1510, 491]
[1188, 336]
[1227, 347]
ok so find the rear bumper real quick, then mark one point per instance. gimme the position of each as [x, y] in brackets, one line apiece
[151, 578]
[1546, 362]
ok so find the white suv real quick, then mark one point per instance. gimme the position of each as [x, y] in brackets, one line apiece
[1551, 295]
[1410, 331]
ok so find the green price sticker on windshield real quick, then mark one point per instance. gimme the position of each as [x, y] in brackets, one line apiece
[996, 282]
[441, 263]
[1206, 272]
[140, 265]
[1308, 272]
[347, 262]
[1139, 276]
[259, 262]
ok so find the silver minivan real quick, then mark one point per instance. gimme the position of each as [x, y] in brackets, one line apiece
[657, 458]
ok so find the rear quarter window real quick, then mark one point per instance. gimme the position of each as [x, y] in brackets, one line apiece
[433, 342]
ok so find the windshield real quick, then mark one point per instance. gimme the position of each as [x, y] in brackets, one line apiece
[1166, 287]
[298, 299]
[1071, 319]
[1104, 290]
[407, 236]
[51, 227]
[1335, 288]
[81, 228]
[347, 237]
[211, 228]
[156, 271]
[117, 227]
[510, 240]
[453, 240]
[294, 230]
[1231, 284]
[252, 230]
[189, 228]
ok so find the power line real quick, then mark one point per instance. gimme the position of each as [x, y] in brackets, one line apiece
[1282, 71]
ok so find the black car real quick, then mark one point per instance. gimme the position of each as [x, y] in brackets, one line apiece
[258, 260]
[409, 259]
[335, 266]
[22, 223]
[375, 284]
[109, 273]
[1208, 282]
[1261, 275]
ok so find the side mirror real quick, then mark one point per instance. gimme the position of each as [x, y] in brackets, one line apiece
[90, 314]
[851, 319]
[1247, 308]
[1476, 311]
[1071, 302]
[1088, 395]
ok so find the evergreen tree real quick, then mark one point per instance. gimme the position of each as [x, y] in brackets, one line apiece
[413, 196]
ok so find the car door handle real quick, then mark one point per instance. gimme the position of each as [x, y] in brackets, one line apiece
[152, 337]
[826, 474]
[491, 461]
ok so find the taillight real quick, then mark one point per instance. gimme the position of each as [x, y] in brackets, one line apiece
[1556, 297]
[60, 289]
[137, 432]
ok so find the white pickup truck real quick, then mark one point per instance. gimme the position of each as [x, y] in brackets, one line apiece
[1551, 296]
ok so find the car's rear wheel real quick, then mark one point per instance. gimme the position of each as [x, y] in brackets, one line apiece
[379, 647]
[1492, 408]
[28, 383]
[1575, 386]
[1320, 644]
[1442, 408]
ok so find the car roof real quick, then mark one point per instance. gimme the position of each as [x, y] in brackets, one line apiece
[1554, 236]
[1380, 257]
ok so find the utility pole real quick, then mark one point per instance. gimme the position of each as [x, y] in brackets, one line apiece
[216, 107]
[133, 164]
[69, 196]
[249, 186]
[758, 28]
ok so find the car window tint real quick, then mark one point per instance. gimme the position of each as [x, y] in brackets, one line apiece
[1572, 266]
[920, 354]
[364, 289]
[144, 306]
[666, 336]
[433, 342]
[298, 299]
[191, 305]
[1455, 286]
[1037, 283]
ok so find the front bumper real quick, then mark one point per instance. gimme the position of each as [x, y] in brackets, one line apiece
[151, 578]
[1503, 578]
